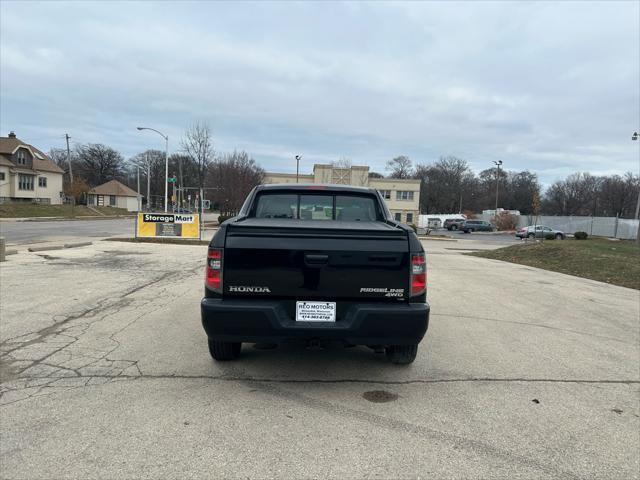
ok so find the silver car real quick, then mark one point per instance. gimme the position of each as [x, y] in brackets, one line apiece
[539, 231]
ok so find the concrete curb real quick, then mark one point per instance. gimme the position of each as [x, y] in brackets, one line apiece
[159, 240]
[77, 244]
[438, 239]
[59, 247]
[44, 249]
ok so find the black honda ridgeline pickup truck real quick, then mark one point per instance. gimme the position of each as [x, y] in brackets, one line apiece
[316, 263]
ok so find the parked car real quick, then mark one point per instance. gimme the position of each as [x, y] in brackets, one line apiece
[477, 226]
[453, 223]
[433, 222]
[347, 273]
[539, 231]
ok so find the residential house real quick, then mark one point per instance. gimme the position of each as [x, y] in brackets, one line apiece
[402, 196]
[27, 174]
[113, 194]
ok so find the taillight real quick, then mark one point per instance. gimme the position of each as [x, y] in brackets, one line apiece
[418, 274]
[214, 270]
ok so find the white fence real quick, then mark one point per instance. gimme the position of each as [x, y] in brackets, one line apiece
[601, 226]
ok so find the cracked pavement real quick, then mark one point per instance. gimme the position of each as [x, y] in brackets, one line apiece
[105, 373]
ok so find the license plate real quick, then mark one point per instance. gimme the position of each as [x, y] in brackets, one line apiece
[315, 311]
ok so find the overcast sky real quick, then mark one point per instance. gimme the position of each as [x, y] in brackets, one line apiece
[553, 87]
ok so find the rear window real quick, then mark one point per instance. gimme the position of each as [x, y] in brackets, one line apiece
[352, 208]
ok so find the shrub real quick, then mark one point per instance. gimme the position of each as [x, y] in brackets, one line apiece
[505, 221]
[580, 235]
[222, 218]
[550, 236]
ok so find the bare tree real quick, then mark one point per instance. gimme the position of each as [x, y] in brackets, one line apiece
[99, 163]
[151, 164]
[197, 144]
[400, 167]
[233, 176]
[342, 162]
[446, 186]
[59, 157]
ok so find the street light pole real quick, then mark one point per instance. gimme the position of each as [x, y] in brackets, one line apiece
[166, 163]
[298, 157]
[634, 137]
[498, 164]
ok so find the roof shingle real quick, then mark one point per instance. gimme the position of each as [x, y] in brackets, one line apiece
[9, 144]
[113, 187]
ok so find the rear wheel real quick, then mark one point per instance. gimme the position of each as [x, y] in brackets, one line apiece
[224, 350]
[453, 227]
[559, 236]
[402, 354]
[532, 235]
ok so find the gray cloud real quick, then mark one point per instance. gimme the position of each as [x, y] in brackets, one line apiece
[552, 87]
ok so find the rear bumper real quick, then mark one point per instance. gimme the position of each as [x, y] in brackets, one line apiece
[362, 324]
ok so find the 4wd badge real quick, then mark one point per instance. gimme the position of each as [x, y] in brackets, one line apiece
[387, 292]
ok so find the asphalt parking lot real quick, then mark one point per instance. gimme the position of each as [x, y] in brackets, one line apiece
[105, 374]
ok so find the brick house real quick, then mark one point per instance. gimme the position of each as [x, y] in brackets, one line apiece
[27, 174]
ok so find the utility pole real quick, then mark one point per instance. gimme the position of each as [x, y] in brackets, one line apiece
[67, 137]
[180, 193]
[173, 193]
[73, 198]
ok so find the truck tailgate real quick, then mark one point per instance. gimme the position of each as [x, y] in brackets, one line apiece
[307, 259]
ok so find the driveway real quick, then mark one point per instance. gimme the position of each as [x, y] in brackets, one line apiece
[105, 373]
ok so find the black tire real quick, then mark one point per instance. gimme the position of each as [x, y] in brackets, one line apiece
[559, 236]
[402, 354]
[222, 351]
[531, 235]
[453, 227]
[470, 230]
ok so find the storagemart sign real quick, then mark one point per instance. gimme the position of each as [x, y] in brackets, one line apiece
[168, 225]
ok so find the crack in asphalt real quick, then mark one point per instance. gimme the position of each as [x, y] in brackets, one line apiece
[63, 336]
[49, 382]
[229, 378]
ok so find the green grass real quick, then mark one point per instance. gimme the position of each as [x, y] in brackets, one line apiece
[28, 210]
[599, 259]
